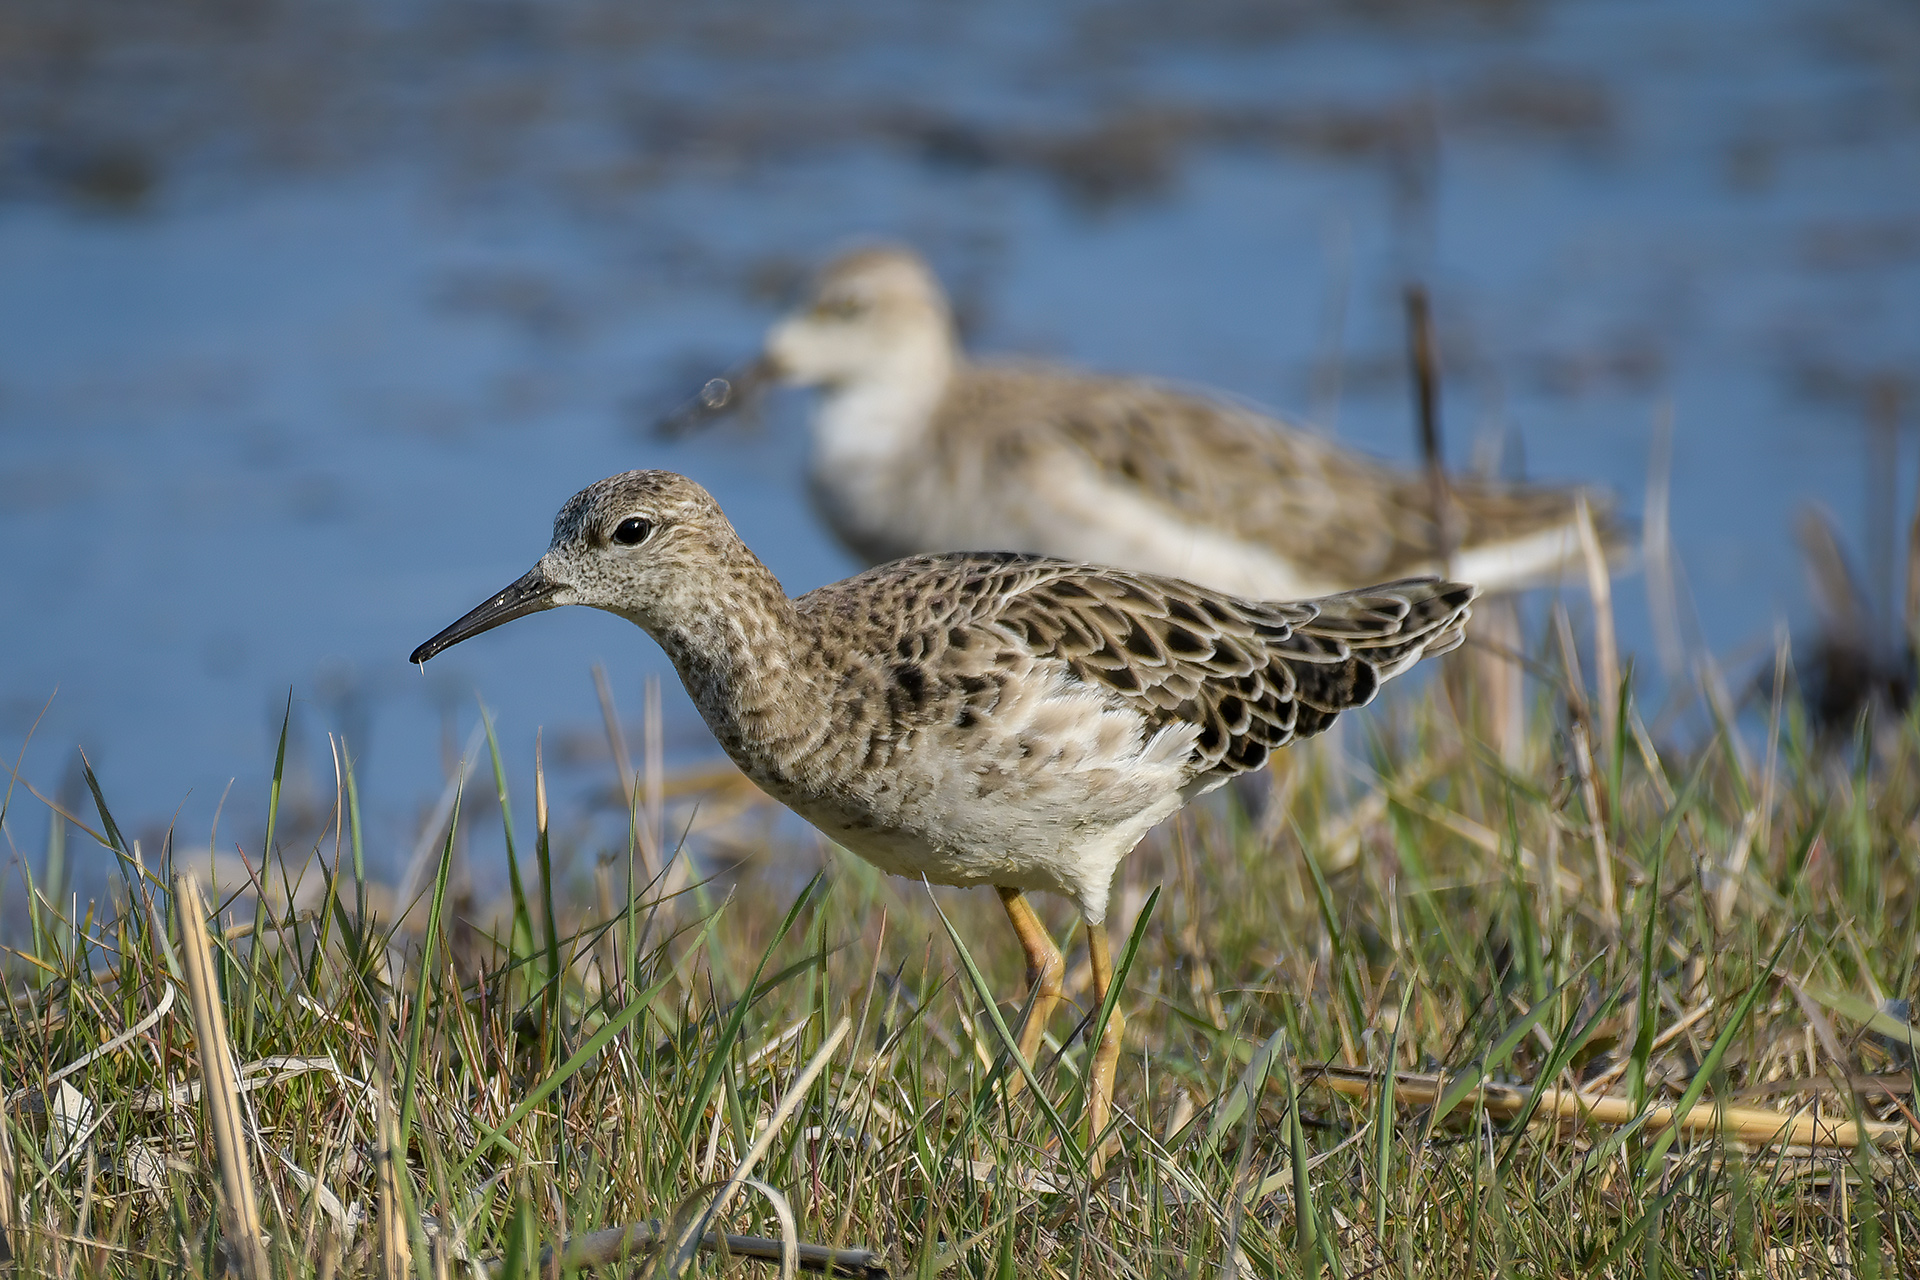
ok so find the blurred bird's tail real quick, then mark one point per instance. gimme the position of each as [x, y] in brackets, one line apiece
[1510, 537]
[1388, 628]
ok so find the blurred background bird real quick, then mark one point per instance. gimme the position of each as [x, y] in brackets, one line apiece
[918, 448]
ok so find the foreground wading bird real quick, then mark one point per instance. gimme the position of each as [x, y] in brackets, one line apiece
[916, 448]
[981, 718]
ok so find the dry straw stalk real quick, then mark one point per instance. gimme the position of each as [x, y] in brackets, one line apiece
[1746, 1124]
[220, 1083]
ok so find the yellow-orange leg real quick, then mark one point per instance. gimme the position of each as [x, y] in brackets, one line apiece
[1046, 969]
[1106, 1056]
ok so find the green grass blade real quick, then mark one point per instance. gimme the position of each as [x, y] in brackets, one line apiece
[1463, 1085]
[717, 1055]
[114, 839]
[1865, 1011]
[1565, 1046]
[355, 832]
[1329, 916]
[1648, 1007]
[410, 1080]
[1603, 1152]
[491, 1137]
[520, 937]
[1383, 1137]
[1306, 1224]
[273, 788]
[1633, 1234]
[1011, 1047]
[1247, 1090]
[1710, 1064]
[1527, 925]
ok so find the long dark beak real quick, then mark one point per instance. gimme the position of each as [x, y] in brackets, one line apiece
[721, 396]
[531, 594]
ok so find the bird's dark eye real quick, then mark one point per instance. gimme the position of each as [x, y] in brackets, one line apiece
[841, 308]
[632, 531]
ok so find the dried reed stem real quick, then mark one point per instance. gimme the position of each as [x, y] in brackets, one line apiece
[1746, 1124]
[221, 1091]
[1426, 391]
[396, 1248]
[1597, 826]
[1882, 496]
[1606, 652]
[603, 1247]
[426, 850]
[796, 1094]
[1499, 686]
[607, 950]
[1754, 827]
[1656, 550]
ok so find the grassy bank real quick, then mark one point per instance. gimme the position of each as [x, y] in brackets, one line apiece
[1429, 1012]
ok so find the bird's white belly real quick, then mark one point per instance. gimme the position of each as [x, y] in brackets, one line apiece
[889, 504]
[1048, 792]
[1075, 863]
[1080, 514]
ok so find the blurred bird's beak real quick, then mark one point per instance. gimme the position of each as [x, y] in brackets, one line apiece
[721, 396]
[530, 594]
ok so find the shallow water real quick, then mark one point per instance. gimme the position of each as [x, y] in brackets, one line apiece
[311, 321]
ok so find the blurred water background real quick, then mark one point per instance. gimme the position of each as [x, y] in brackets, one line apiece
[312, 315]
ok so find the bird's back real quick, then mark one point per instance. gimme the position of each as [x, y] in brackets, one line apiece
[1132, 472]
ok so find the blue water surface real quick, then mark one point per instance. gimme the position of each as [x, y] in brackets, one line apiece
[309, 325]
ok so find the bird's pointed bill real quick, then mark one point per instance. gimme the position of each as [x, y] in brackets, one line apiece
[532, 593]
[719, 397]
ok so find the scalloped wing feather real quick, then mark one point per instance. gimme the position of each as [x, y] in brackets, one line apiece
[1251, 676]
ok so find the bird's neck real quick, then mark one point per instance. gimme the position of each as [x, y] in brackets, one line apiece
[885, 411]
[743, 652]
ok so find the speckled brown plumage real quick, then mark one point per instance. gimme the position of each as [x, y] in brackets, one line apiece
[1251, 677]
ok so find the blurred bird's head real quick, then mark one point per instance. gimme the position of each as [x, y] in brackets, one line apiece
[876, 313]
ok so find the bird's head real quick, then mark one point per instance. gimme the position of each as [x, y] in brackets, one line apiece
[872, 313]
[646, 545]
